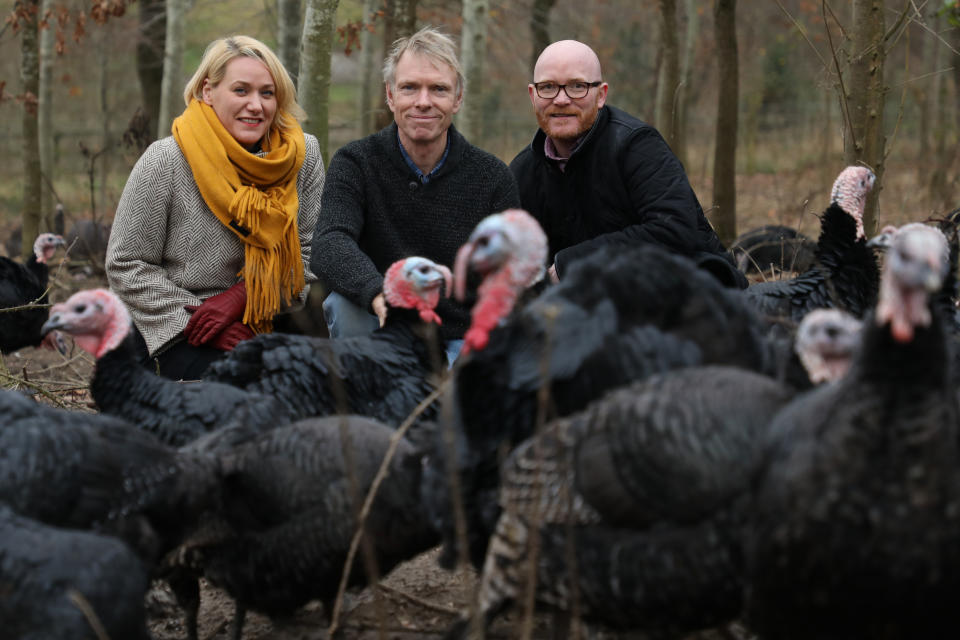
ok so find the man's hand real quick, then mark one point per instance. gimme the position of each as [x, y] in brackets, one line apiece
[215, 314]
[379, 306]
[235, 333]
[552, 272]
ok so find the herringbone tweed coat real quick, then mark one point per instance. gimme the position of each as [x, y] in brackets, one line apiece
[167, 249]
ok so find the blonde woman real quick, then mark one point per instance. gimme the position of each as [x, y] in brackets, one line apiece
[213, 231]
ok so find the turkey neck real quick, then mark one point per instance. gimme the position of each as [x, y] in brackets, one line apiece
[423, 337]
[922, 363]
[38, 270]
[116, 373]
[846, 256]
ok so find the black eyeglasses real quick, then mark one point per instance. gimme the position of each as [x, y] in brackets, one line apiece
[574, 90]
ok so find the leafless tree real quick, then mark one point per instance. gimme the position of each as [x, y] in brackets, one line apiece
[315, 48]
[725, 152]
[27, 12]
[289, 30]
[473, 51]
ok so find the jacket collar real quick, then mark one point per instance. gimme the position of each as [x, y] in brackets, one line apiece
[540, 137]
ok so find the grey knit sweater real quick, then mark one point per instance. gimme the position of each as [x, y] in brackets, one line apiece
[376, 212]
[167, 249]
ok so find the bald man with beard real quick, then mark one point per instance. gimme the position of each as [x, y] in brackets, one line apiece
[595, 175]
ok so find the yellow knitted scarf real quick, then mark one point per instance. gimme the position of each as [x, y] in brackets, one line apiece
[254, 197]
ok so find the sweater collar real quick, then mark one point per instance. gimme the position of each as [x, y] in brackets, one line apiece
[389, 138]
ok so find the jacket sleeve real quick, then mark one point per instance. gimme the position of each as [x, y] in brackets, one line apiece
[309, 191]
[135, 250]
[337, 259]
[664, 208]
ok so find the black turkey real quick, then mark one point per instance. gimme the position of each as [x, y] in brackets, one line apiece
[290, 504]
[856, 530]
[383, 375]
[56, 584]
[91, 471]
[174, 412]
[845, 273]
[20, 285]
[619, 315]
[636, 504]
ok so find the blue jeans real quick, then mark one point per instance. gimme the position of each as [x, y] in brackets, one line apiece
[346, 320]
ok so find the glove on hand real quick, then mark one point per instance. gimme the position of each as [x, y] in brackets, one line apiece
[215, 314]
[231, 336]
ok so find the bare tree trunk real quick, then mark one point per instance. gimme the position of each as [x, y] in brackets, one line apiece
[473, 50]
[45, 121]
[401, 18]
[669, 82]
[288, 35]
[103, 41]
[369, 77]
[865, 140]
[725, 151]
[30, 78]
[940, 125]
[171, 98]
[686, 77]
[150, 46]
[539, 29]
[318, 24]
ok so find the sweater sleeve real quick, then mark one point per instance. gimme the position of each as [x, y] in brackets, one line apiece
[337, 259]
[664, 206]
[135, 250]
[506, 194]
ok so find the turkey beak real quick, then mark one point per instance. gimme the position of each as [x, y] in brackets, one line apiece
[460, 268]
[55, 321]
[447, 280]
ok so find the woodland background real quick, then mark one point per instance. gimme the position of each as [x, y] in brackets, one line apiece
[765, 101]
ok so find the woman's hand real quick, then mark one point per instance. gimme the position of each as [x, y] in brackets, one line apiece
[215, 314]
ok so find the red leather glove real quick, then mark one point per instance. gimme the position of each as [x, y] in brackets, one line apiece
[215, 314]
[233, 334]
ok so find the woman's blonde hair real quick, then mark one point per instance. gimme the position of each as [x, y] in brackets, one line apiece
[214, 66]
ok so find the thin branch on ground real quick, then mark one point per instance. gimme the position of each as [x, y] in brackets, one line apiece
[371, 494]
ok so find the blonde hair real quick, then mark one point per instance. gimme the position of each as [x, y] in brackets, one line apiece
[430, 43]
[213, 66]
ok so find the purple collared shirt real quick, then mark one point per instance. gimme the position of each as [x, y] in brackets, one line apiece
[550, 150]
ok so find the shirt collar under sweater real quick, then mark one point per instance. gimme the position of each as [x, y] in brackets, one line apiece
[388, 140]
[423, 177]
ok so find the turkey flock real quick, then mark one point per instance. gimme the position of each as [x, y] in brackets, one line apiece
[634, 449]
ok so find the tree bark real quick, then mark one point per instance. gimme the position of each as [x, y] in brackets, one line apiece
[315, 47]
[171, 97]
[539, 29]
[401, 18]
[45, 121]
[30, 79]
[667, 86]
[686, 77]
[725, 151]
[865, 140]
[473, 50]
[288, 35]
[370, 79]
[150, 46]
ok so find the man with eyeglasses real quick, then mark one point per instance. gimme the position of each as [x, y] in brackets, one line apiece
[595, 175]
[417, 187]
